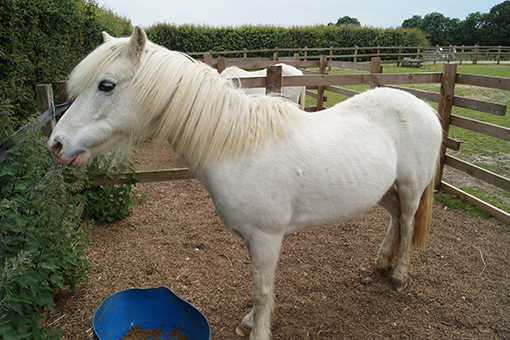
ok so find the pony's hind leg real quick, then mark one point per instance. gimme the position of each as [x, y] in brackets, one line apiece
[389, 246]
[409, 202]
[264, 251]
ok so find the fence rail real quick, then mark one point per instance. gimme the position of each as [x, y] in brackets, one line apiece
[356, 54]
[445, 99]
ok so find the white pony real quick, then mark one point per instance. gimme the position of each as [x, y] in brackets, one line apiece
[270, 168]
[294, 93]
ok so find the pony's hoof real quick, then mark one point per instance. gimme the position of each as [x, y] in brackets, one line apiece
[383, 271]
[243, 331]
[399, 286]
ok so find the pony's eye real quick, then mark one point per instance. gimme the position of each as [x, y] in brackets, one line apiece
[106, 86]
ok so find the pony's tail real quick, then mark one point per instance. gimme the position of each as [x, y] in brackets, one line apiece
[423, 216]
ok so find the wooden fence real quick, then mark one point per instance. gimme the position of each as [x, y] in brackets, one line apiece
[446, 99]
[434, 54]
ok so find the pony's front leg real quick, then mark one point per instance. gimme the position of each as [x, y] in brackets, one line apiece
[263, 251]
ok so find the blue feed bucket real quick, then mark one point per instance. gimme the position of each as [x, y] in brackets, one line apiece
[148, 308]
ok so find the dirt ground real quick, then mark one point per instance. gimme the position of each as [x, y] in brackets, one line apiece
[325, 285]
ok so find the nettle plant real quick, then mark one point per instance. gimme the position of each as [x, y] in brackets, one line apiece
[41, 245]
[108, 203]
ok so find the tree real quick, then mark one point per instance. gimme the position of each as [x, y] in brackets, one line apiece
[347, 20]
[415, 22]
[439, 28]
[478, 28]
[497, 25]
[470, 30]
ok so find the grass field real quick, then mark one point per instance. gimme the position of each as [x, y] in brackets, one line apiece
[487, 152]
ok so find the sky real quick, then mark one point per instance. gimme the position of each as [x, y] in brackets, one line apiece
[288, 13]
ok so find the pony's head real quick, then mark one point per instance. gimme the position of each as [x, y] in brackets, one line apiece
[96, 122]
[106, 111]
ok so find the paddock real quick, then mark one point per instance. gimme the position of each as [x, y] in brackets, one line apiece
[326, 287]
[344, 306]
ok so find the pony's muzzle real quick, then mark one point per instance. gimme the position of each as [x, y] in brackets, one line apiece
[58, 150]
[56, 147]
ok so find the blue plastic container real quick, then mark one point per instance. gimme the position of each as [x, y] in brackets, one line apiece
[148, 308]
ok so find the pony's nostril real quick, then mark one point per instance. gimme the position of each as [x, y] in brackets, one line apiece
[56, 147]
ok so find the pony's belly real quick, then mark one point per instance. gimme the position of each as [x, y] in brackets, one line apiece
[334, 204]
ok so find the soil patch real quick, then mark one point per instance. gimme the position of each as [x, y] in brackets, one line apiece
[325, 283]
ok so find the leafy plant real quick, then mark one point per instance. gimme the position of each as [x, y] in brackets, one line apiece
[41, 246]
[108, 203]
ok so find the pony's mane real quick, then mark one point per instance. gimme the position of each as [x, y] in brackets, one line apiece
[186, 102]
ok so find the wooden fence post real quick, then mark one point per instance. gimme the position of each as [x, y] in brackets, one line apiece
[208, 59]
[375, 67]
[355, 54]
[444, 110]
[399, 58]
[499, 54]
[221, 64]
[275, 54]
[320, 89]
[331, 56]
[63, 96]
[44, 98]
[475, 55]
[274, 79]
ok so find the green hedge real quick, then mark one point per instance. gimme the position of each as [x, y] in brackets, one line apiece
[192, 38]
[41, 41]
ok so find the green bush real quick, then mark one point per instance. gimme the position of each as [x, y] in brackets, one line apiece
[41, 247]
[41, 41]
[108, 203]
[193, 38]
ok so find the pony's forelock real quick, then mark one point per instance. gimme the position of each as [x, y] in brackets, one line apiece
[88, 71]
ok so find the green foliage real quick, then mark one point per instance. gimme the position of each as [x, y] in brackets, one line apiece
[41, 247]
[192, 38]
[497, 23]
[108, 203]
[42, 40]
[347, 20]
[489, 29]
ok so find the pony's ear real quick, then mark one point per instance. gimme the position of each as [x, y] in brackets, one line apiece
[137, 43]
[106, 37]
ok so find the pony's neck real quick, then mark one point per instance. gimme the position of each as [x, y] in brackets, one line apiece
[206, 119]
